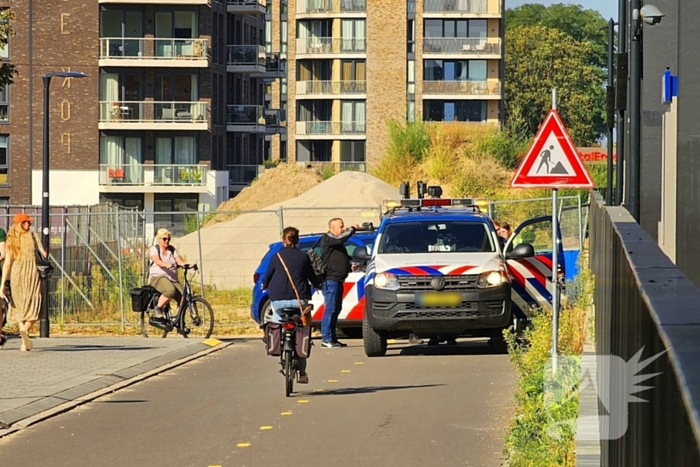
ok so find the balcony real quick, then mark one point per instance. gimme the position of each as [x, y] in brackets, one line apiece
[463, 89]
[478, 8]
[157, 2]
[249, 7]
[275, 67]
[322, 130]
[246, 59]
[153, 52]
[275, 121]
[153, 178]
[152, 115]
[319, 46]
[324, 7]
[334, 167]
[330, 88]
[245, 118]
[240, 176]
[467, 47]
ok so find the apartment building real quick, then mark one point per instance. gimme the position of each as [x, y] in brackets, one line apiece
[171, 108]
[353, 64]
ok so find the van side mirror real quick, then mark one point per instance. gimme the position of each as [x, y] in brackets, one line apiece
[524, 250]
[360, 254]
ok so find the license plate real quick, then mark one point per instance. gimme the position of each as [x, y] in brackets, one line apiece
[434, 299]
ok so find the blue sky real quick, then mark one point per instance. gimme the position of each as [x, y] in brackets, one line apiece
[608, 8]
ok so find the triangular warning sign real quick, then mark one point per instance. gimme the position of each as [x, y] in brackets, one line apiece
[552, 160]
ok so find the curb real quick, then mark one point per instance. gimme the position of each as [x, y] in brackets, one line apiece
[111, 388]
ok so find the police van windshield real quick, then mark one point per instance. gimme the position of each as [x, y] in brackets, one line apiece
[436, 237]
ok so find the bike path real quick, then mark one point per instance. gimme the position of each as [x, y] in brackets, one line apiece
[62, 372]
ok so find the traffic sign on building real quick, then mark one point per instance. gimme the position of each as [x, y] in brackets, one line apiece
[552, 160]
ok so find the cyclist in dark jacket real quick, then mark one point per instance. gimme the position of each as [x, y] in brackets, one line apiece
[280, 290]
[336, 256]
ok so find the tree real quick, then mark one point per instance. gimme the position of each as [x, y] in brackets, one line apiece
[7, 70]
[582, 25]
[539, 59]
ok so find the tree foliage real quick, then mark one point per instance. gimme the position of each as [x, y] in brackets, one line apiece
[540, 59]
[7, 70]
[582, 25]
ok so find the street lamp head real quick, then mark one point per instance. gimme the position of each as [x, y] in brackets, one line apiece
[65, 74]
[651, 15]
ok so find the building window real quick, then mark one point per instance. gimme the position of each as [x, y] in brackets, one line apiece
[455, 70]
[411, 86]
[454, 111]
[127, 200]
[165, 207]
[121, 160]
[4, 104]
[4, 160]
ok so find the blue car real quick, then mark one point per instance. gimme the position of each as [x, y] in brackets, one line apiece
[350, 319]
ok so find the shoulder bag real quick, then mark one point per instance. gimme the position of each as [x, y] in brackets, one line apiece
[305, 311]
[42, 264]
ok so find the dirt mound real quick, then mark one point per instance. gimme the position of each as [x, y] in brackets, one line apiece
[273, 185]
[232, 250]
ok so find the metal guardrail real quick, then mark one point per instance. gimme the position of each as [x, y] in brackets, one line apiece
[474, 88]
[643, 301]
[462, 45]
[330, 45]
[149, 48]
[316, 87]
[152, 112]
[460, 6]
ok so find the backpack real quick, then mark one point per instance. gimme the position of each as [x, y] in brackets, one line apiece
[320, 266]
[171, 249]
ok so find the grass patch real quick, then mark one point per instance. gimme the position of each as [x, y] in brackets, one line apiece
[543, 430]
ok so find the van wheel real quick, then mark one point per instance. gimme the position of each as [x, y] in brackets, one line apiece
[498, 342]
[374, 341]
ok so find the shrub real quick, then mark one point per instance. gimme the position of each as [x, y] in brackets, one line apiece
[407, 146]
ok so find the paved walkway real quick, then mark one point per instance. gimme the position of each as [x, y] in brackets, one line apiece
[61, 372]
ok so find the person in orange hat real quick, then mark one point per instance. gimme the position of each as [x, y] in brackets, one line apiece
[20, 266]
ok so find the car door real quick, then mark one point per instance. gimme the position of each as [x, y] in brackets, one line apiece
[531, 278]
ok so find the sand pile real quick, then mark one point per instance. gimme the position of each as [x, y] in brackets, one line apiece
[232, 250]
[274, 185]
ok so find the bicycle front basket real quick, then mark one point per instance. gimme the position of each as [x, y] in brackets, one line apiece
[140, 296]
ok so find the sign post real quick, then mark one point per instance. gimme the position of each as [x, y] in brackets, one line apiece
[553, 162]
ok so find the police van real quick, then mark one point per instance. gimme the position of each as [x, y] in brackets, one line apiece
[437, 269]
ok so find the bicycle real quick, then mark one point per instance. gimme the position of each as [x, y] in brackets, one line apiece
[197, 308]
[291, 320]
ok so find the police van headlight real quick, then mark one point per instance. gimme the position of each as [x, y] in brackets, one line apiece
[386, 281]
[489, 279]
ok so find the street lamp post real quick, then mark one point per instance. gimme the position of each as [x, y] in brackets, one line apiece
[45, 222]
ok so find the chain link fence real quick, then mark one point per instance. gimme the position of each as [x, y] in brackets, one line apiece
[101, 252]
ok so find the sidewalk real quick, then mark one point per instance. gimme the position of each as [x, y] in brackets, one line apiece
[62, 372]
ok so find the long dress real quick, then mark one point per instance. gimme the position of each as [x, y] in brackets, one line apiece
[25, 283]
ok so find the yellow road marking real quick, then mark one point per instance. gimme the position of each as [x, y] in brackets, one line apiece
[214, 466]
[303, 401]
[345, 371]
[242, 445]
[359, 363]
[391, 341]
[266, 427]
[211, 342]
[286, 413]
[332, 380]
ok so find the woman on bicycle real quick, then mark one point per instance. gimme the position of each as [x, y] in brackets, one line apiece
[280, 289]
[163, 272]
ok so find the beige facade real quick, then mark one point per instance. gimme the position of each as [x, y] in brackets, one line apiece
[354, 64]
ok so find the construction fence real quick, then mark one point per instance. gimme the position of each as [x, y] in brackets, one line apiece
[101, 252]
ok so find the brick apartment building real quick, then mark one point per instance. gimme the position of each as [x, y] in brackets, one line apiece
[171, 109]
[352, 64]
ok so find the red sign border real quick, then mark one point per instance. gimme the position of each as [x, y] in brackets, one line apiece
[581, 179]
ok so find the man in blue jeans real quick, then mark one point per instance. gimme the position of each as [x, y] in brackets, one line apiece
[336, 257]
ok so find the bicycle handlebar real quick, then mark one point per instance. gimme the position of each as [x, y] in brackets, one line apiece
[187, 267]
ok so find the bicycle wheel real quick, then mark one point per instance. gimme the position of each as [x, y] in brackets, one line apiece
[144, 326]
[199, 318]
[288, 373]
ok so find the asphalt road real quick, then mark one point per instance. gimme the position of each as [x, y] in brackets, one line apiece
[418, 406]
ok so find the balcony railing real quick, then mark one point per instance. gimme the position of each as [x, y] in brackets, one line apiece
[275, 118]
[153, 174]
[330, 45]
[274, 64]
[153, 112]
[462, 45]
[152, 48]
[459, 6]
[245, 115]
[334, 167]
[474, 88]
[307, 88]
[246, 55]
[331, 128]
[242, 174]
[247, 6]
[331, 6]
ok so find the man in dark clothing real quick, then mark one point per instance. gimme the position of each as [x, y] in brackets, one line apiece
[336, 257]
[281, 292]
